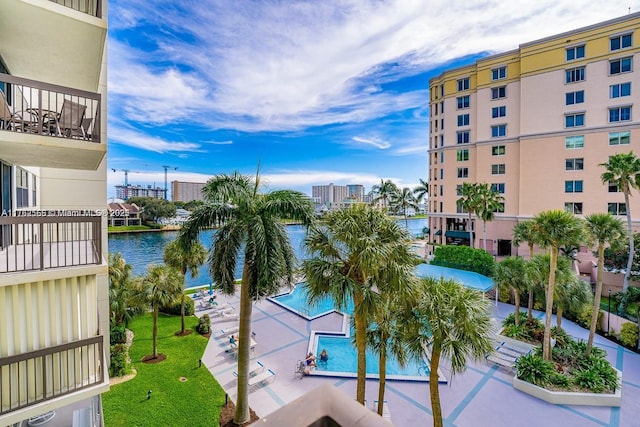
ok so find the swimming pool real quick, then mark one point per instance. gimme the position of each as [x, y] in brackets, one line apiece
[469, 279]
[297, 301]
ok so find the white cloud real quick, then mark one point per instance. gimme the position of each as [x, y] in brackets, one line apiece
[137, 139]
[376, 142]
[229, 142]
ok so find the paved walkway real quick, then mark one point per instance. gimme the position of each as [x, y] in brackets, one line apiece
[482, 396]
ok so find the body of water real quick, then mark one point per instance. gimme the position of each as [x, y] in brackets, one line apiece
[143, 249]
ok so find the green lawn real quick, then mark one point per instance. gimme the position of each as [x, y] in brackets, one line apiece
[126, 228]
[195, 402]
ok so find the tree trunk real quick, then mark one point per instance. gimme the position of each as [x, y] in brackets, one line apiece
[182, 313]
[244, 343]
[559, 312]
[625, 283]
[517, 314]
[546, 345]
[383, 377]
[596, 299]
[531, 296]
[434, 391]
[361, 346]
[484, 235]
[155, 330]
[470, 232]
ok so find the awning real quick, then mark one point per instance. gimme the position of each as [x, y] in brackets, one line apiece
[425, 230]
[457, 234]
[438, 233]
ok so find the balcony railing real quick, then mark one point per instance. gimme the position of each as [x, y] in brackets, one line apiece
[30, 378]
[90, 7]
[30, 106]
[39, 242]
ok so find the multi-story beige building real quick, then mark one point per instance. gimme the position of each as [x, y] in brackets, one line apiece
[54, 312]
[329, 194]
[186, 191]
[124, 192]
[535, 123]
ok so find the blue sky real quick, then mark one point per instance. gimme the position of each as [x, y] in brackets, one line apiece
[317, 91]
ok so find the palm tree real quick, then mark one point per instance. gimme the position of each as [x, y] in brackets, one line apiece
[525, 232]
[555, 228]
[510, 274]
[359, 254]
[176, 257]
[470, 203]
[602, 229]
[489, 202]
[384, 192]
[121, 290]
[571, 293]
[250, 221]
[421, 191]
[456, 320]
[624, 170]
[160, 286]
[403, 200]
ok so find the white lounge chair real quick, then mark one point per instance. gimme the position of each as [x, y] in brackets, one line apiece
[386, 413]
[223, 312]
[261, 379]
[230, 331]
[256, 368]
[228, 317]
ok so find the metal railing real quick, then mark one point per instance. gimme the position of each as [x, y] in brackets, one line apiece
[42, 240]
[31, 106]
[30, 378]
[90, 7]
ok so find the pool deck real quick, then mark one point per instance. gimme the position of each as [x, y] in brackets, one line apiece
[481, 396]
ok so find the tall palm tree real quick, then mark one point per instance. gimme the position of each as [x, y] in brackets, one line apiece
[555, 228]
[570, 294]
[470, 203]
[525, 232]
[357, 255]
[489, 202]
[421, 191]
[403, 200]
[510, 275]
[623, 169]
[383, 192]
[602, 229]
[177, 257]
[456, 320]
[160, 286]
[250, 221]
[121, 290]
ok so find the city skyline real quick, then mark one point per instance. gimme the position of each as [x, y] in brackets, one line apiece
[313, 92]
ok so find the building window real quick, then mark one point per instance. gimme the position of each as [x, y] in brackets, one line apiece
[498, 131]
[620, 90]
[441, 190]
[613, 187]
[574, 120]
[499, 92]
[462, 155]
[463, 172]
[498, 169]
[22, 188]
[442, 140]
[575, 52]
[463, 84]
[459, 190]
[573, 207]
[572, 142]
[576, 164]
[442, 124]
[573, 75]
[576, 97]
[463, 137]
[622, 65]
[620, 42]
[499, 111]
[498, 188]
[619, 114]
[442, 90]
[442, 157]
[499, 73]
[460, 207]
[499, 207]
[463, 120]
[573, 186]
[34, 194]
[463, 102]
[619, 138]
[617, 208]
[441, 173]
[498, 150]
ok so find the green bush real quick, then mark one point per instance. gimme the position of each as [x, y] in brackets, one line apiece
[204, 325]
[464, 258]
[584, 318]
[534, 369]
[589, 379]
[174, 309]
[629, 334]
[118, 365]
[117, 335]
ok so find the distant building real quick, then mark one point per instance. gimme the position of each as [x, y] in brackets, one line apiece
[186, 191]
[355, 192]
[125, 192]
[123, 214]
[327, 194]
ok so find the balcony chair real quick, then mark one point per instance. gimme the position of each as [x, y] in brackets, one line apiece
[70, 120]
[10, 120]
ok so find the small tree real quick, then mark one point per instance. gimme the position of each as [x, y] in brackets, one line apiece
[525, 232]
[510, 275]
[402, 200]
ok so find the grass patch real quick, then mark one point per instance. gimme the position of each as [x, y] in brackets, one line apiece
[126, 228]
[194, 402]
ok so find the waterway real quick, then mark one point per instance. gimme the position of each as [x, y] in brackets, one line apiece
[143, 249]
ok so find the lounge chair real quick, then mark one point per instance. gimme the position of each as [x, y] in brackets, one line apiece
[261, 379]
[222, 312]
[69, 122]
[229, 317]
[256, 368]
[386, 413]
[230, 331]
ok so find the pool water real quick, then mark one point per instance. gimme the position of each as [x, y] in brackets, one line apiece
[298, 302]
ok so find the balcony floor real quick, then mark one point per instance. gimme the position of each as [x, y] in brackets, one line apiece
[26, 257]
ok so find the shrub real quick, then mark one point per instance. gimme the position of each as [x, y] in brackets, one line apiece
[534, 369]
[589, 379]
[584, 318]
[204, 325]
[118, 364]
[464, 258]
[629, 334]
[174, 309]
[117, 335]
